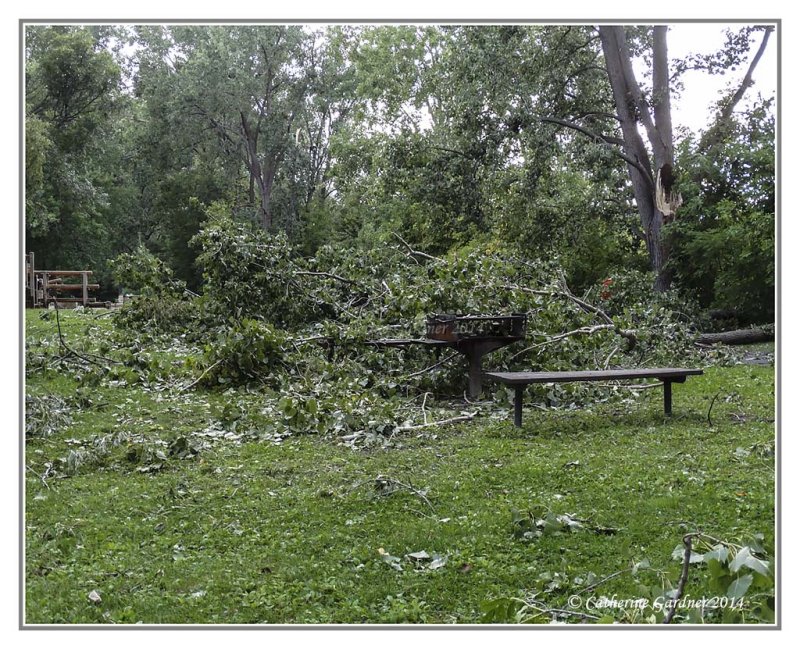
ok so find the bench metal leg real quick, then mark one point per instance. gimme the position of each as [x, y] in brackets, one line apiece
[668, 398]
[518, 392]
[475, 374]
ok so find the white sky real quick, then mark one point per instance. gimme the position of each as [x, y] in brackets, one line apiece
[692, 108]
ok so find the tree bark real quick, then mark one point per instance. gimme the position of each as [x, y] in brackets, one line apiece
[653, 191]
[263, 175]
[737, 337]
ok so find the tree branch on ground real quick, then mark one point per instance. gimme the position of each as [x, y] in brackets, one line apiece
[386, 486]
[417, 253]
[431, 367]
[201, 377]
[72, 352]
[581, 331]
[565, 293]
[687, 556]
[338, 278]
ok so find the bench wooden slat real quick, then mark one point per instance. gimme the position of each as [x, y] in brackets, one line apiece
[524, 378]
[668, 376]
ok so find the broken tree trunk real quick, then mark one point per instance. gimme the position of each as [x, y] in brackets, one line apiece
[737, 337]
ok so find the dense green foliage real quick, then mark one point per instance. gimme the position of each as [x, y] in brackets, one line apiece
[725, 240]
[445, 135]
[267, 308]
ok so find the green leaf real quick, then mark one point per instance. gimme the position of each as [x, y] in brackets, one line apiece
[745, 558]
[503, 609]
[739, 587]
[678, 553]
[718, 553]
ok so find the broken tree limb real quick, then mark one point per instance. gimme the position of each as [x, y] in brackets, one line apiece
[565, 293]
[386, 486]
[431, 367]
[338, 278]
[417, 253]
[352, 437]
[687, 557]
[72, 352]
[737, 337]
[442, 422]
[201, 377]
[582, 331]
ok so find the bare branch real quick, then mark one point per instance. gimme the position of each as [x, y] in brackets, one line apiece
[687, 557]
[201, 377]
[604, 140]
[338, 278]
[72, 352]
[432, 367]
[442, 422]
[581, 331]
[417, 253]
[628, 334]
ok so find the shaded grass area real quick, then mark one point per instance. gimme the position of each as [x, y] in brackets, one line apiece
[297, 532]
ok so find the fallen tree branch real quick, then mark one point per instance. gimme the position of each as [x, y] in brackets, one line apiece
[687, 557]
[417, 253]
[431, 367]
[567, 334]
[737, 337]
[628, 334]
[73, 352]
[610, 356]
[338, 278]
[41, 477]
[603, 580]
[352, 437]
[201, 377]
[383, 485]
[441, 422]
[708, 415]
[543, 609]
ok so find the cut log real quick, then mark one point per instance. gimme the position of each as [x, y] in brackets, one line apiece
[737, 337]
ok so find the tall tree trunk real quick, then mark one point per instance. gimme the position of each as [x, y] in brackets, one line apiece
[266, 182]
[264, 175]
[655, 199]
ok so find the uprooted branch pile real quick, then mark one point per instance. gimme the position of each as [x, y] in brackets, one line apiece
[294, 329]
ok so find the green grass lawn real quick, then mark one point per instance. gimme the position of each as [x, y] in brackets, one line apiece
[302, 532]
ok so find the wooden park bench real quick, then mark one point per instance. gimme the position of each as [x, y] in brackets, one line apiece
[520, 380]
